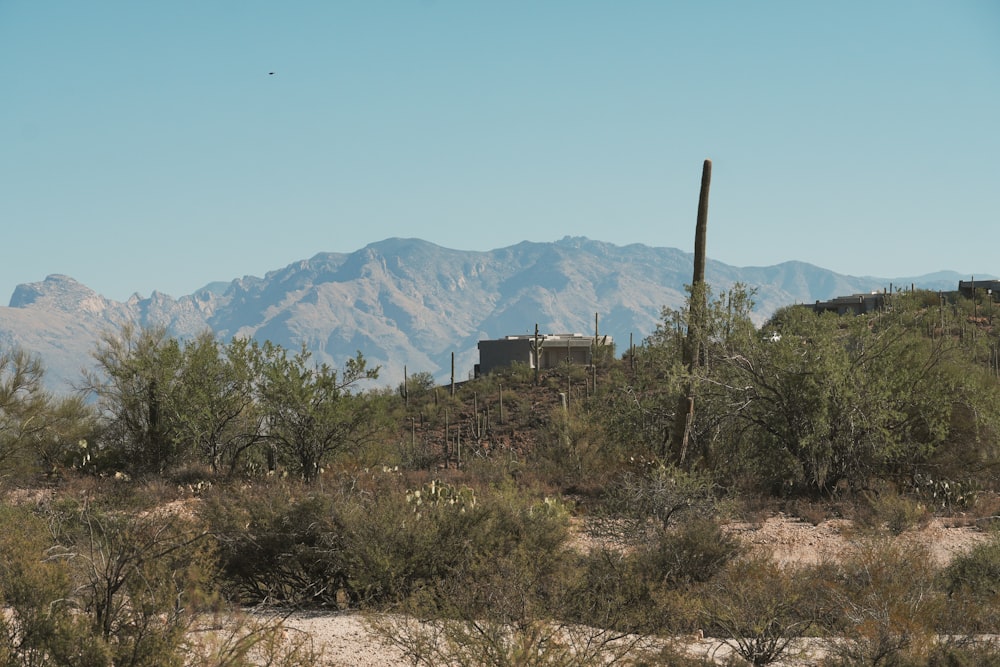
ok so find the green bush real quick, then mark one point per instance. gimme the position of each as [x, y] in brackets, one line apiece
[890, 511]
[399, 541]
[113, 588]
[607, 590]
[370, 545]
[972, 583]
[39, 623]
[977, 571]
[648, 498]
[277, 546]
[690, 553]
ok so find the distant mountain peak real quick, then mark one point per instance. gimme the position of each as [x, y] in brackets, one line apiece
[58, 292]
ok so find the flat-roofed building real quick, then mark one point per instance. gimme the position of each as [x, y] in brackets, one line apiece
[553, 349]
[856, 304]
[968, 288]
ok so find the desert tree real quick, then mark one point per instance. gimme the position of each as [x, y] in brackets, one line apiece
[23, 402]
[813, 398]
[638, 410]
[136, 374]
[312, 410]
[35, 426]
[218, 411]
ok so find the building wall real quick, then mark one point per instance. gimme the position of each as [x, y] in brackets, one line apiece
[557, 352]
[495, 354]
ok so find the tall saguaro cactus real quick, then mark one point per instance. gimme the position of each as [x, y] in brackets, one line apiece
[693, 347]
[699, 299]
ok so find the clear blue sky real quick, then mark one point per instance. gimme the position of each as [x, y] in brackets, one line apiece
[144, 145]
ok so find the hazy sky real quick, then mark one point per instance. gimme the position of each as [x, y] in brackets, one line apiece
[146, 145]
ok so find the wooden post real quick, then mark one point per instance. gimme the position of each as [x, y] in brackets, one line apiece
[569, 385]
[593, 361]
[631, 353]
[538, 355]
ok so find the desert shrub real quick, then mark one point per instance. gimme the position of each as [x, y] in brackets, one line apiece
[887, 606]
[757, 608]
[39, 624]
[278, 543]
[977, 571]
[140, 578]
[671, 656]
[647, 499]
[400, 540]
[373, 544]
[889, 511]
[573, 453]
[809, 511]
[122, 589]
[976, 654]
[691, 553]
[506, 590]
[191, 475]
[972, 583]
[985, 512]
[511, 609]
[606, 590]
[983, 653]
[654, 587]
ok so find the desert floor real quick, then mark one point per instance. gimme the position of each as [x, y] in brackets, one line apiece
[345, 640]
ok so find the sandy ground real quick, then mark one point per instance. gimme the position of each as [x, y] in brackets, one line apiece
[346, 642]
[795, 542]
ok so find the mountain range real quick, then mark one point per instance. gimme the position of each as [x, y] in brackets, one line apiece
[408, 302]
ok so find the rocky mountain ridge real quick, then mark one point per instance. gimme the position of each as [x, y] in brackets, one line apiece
[410, 302]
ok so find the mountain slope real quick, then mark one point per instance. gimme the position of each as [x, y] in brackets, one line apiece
[410, 302]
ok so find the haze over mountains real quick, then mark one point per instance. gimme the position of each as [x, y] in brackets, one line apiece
[410, 302]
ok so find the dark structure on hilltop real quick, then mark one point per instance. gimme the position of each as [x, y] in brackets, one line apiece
[971, 288]
[538, 351]
[856, 304]
[860, 304]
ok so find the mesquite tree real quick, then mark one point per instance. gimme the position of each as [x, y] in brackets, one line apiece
[312, 412]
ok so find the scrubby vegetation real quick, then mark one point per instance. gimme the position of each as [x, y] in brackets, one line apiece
[495, 522]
